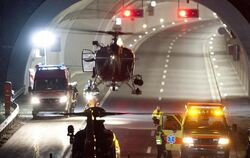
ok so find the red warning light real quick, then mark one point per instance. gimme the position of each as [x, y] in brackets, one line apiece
[127, 13]
[188, 13]
[182, 13]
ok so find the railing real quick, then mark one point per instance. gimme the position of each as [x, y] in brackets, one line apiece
[6, 124]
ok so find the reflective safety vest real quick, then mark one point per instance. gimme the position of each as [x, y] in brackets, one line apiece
[158, 138]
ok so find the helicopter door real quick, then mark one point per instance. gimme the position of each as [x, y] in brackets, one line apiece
[172, 131]
[88, 60]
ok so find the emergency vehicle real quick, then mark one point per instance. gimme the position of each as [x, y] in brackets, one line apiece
[202, 130]
[205, 131]
[52, 90]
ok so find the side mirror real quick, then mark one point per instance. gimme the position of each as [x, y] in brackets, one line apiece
[234, 127]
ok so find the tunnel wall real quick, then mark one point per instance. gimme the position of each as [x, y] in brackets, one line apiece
[240, 27]
[49, 9]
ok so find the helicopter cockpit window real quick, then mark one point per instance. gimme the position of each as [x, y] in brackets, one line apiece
[88, 58]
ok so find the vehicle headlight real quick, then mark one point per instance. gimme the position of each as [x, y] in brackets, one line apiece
[188, 140]
[89, 97]
[35, 100]
[223, 141]
[63, 99]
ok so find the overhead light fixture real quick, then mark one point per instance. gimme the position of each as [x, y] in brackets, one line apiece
[153, 3]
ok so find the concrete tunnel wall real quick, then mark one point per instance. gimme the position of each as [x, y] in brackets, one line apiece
[20, 55]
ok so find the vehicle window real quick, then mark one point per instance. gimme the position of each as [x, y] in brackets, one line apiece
[50, 84]
[205, 121]
[170, 123]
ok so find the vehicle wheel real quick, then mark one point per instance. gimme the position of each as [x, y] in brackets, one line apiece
[169, 154]
[34, 114]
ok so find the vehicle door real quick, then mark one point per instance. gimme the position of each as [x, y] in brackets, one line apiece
[172, 131]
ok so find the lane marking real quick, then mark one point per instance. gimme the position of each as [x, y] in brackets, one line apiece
[149, 149]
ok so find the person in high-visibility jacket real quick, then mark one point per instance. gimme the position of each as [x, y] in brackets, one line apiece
[156, 115]
[160, 143]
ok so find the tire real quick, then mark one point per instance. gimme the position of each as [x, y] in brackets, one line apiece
[34, 114]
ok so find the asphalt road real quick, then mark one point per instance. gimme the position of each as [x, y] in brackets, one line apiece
[175, 68]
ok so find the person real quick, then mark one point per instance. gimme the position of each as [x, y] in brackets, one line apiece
[156, 115]
[160, 143]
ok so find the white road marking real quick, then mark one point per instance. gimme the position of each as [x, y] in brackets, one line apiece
[149, 149]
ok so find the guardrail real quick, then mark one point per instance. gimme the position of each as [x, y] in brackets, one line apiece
[6, 124]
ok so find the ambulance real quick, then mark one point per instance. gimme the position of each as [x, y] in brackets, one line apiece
[52, 90]
[205, 131]
[201, 131]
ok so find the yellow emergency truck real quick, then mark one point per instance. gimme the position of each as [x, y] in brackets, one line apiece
[202, 130]
[205, 131]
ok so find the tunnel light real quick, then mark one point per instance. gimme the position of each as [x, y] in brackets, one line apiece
[135, 40]
[186, 20]
[162, 26]
[43, 39]
[221, 84]
[214, 59]
[161, 20]
[154, 29]
[211, 47]
[131, 45]
[144, 26]
[153, 3]
[214, 35]
[225, 94]
[211, 38]
[218, 74]
[146, 32]
[200, 18]
[210, 42]
[140, 36]
[216, 66]
[173, 23]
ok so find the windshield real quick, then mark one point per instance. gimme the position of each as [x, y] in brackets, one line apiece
[50, 84]
[209, 122]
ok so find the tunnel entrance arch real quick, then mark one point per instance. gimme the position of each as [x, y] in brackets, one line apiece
[20, 56]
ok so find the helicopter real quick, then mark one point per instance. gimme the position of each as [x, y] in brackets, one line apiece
[95, 140]
[112, 64]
